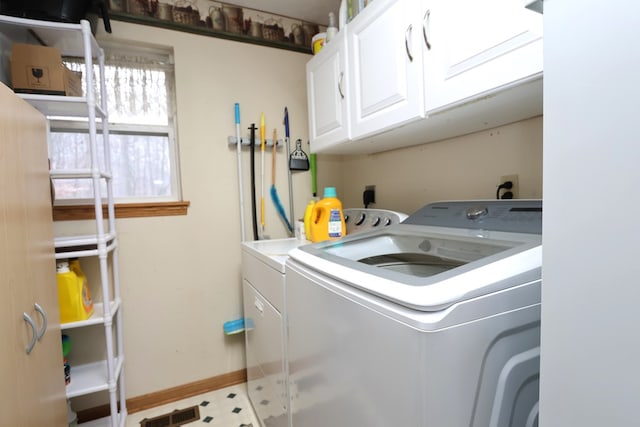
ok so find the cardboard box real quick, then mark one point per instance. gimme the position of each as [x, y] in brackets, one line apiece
[72, 82]
[37, 69]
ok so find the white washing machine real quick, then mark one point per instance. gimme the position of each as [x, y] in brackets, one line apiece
[264, 293]
[434, 322]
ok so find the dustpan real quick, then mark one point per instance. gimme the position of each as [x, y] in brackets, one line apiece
[298, 160]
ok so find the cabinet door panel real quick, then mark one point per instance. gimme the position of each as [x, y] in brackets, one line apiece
[327, 86]
[45, 366]
[385, 68]
[14, 252]
[13, 352]
[33, 391]
[477, 47]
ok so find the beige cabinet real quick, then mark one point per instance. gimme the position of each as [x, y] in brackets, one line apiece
[33, 391]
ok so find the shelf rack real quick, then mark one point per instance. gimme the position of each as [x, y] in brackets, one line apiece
[76, 40]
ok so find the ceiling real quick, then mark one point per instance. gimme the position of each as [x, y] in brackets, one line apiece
[315, 11]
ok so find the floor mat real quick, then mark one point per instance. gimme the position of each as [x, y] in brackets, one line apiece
[173, 419]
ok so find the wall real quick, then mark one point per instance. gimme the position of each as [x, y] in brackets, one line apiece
[590, 349]
[467, 167]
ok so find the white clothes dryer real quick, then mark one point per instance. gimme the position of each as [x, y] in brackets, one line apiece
[263, 289]
[434, 322]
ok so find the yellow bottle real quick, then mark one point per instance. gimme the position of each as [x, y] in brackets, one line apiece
[73, 295]
[87, 302]
[327, 218]
[307, 219]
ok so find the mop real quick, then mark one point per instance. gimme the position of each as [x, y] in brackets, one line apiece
[237, 326]
[240, 186]
[274, 192]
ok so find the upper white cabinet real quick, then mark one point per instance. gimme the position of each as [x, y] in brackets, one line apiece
[476, 47]
[327, 89]
[423, 71]
[385, 67]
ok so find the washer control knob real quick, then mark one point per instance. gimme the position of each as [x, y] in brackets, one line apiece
[476, 212]
[387, 222]
[360, 220]
[376, 222]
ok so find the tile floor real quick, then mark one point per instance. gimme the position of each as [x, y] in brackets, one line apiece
[227, 407]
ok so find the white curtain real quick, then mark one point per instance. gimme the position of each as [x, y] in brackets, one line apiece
[137, 87]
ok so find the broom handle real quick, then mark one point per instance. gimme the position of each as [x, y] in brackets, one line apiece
[314, 179]
[273, 158]
[262, 145]
[287, 141]
[254, 209]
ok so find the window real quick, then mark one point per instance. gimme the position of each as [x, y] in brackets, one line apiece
[142, 131]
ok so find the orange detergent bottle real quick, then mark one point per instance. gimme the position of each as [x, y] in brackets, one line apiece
[327, 218]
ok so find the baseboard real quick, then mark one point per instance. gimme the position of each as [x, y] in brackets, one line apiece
[173, 394]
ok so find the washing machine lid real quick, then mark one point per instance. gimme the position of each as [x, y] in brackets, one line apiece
[430, 267]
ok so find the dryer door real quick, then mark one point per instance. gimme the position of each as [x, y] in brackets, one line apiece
[266, 379]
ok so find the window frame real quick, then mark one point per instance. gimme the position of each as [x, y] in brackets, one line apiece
[73, 209]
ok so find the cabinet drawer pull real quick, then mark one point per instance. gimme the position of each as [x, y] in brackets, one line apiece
[340, 85]
[34, 336]
[425, 28]
[407, 36]
[43, 313]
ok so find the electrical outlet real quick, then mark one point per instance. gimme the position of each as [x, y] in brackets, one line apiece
[369, 195]
[514, 179]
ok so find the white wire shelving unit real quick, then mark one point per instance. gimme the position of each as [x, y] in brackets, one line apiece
[76, 40]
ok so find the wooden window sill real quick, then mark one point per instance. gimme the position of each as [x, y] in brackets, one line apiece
[122, 210]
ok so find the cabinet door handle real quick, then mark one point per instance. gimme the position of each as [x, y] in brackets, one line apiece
[31, 323]
[340, 84]
[43, 313]
[407, 36]
[259, 306]
[425, 28]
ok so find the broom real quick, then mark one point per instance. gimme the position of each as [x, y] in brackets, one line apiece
[273, 191]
